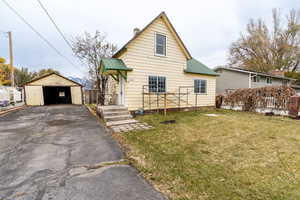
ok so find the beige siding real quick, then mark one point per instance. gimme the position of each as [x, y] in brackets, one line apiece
[53, 80]
[34, 95]
[141, 57]
[76, 95]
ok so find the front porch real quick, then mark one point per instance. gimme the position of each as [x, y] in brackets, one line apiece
[116, 69]
[119, 119]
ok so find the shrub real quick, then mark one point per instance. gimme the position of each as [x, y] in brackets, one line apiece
[219, 100]
[252, 98]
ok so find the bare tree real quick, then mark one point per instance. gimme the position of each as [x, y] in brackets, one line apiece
[263, 50]
[90, 49]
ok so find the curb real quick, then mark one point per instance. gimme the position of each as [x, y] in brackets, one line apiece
[12, 109]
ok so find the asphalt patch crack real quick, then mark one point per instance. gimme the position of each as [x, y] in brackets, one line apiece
[105, 164]
[85, 169]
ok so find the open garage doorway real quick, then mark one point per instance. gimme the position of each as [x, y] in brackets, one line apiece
[57, 95]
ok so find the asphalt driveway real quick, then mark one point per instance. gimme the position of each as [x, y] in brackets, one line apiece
[62, 152]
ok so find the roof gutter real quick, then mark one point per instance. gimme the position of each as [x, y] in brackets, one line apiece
[200, 73]
[256, 73]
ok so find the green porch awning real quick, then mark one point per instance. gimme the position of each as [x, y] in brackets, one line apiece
[114, 67]
[113, 64]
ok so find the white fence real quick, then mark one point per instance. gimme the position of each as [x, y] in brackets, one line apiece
[259, 110]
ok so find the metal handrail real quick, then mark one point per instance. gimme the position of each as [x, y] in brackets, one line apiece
[164, 95]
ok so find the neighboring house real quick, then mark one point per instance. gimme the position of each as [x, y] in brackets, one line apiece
[235, 78]
[297, 88]
[156, 61]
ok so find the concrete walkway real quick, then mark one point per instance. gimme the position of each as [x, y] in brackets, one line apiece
[57, 152]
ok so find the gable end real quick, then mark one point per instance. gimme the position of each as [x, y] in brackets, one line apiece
[171, 28]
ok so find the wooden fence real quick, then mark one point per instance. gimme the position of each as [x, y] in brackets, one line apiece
[91, 97]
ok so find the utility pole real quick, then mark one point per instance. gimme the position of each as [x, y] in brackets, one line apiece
[11, 59]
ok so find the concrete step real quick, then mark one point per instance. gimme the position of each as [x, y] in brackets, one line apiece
[114, 123]
[114, 109]
[114, 113]
[117, 118]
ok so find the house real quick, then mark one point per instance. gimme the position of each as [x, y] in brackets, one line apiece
[155, 69]
[52, 88]
[297, 88]
[235, 78]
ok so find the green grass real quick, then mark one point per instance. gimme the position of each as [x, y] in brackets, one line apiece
[92, 106]
[236, 155]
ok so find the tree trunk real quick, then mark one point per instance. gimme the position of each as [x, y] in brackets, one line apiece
[98, 91]
[103, 86]
[102, 90]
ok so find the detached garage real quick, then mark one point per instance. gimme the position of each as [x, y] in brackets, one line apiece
[52, 89]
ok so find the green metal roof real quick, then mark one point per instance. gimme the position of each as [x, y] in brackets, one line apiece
[196, 67]
[113, 64]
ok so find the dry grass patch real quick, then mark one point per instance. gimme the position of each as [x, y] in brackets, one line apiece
[236, 155]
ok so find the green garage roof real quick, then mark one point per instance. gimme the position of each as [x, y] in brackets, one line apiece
[113, 64]
[196, 67]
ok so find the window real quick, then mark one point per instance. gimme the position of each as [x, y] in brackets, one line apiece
[269, 80]
[157, 84]
[160, 46]
[284, 82]
[255, 78]
[200, 86]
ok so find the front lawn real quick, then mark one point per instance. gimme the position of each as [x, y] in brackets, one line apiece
[234, 156]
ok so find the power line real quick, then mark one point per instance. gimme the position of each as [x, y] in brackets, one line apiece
[39, 34]
[56, 26]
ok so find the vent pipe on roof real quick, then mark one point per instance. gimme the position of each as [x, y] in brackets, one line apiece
[136, 31]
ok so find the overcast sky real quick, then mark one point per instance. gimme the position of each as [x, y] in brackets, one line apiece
[207, 27]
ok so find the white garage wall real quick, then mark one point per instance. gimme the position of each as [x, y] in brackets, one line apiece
[34, 95]
[76, 95]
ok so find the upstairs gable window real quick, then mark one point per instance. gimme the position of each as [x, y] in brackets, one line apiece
[160, 45]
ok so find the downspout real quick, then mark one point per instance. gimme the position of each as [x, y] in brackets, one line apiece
[82, 97]
[250, 85]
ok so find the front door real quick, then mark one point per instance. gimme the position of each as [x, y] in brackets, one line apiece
[121, 99]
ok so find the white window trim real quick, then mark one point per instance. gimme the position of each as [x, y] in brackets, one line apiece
[285, 82]
[257, 78]
[157, 82]
[271, 81]
[199, 93]
[155, 35]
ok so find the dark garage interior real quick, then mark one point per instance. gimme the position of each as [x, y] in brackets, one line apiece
[57, 95]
